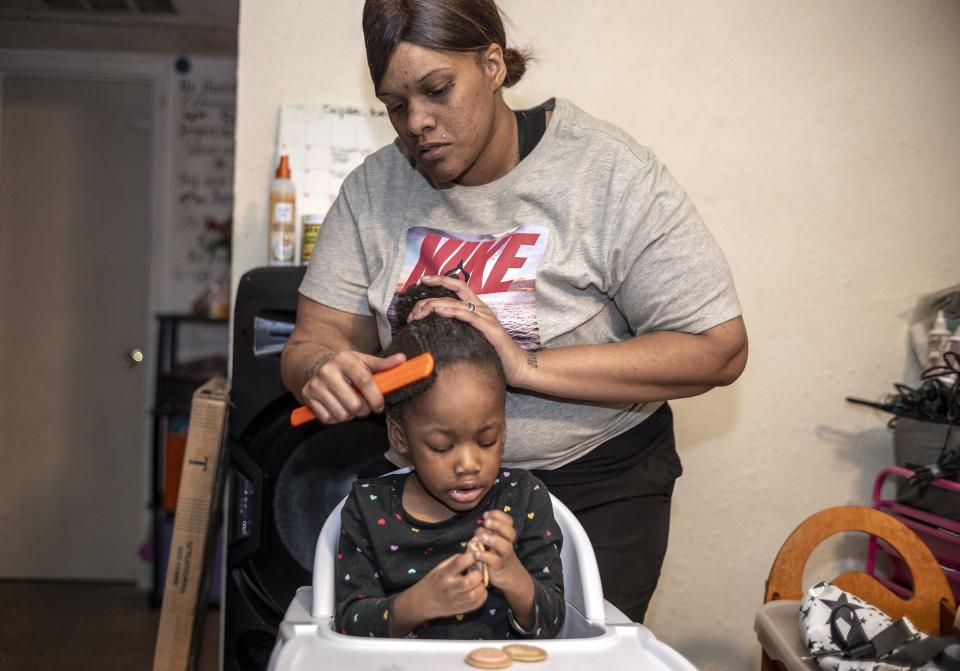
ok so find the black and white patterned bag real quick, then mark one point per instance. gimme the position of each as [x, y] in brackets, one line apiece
[844, 633]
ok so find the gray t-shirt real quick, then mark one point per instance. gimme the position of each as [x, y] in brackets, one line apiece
[588, 240]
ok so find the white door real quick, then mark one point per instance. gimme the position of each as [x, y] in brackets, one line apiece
[75, 161]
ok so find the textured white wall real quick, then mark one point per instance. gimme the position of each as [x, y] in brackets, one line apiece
[820, 142]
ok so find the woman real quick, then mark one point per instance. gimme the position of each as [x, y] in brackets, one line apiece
[568, 245]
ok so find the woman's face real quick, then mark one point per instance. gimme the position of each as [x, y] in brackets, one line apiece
[442, 105]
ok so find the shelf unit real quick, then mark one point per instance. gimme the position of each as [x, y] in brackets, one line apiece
[175, 383]
[940, 534]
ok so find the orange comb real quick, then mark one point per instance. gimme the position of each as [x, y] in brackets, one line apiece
[413, 370]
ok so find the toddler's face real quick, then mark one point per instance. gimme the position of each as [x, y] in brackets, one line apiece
[454, 435]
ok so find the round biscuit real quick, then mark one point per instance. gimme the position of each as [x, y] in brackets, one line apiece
[521, 652]
[477, 546]
[489, 658]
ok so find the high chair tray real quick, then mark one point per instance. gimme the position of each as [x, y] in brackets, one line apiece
[307, 646]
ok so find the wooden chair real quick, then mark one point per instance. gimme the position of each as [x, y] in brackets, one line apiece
[931, 608]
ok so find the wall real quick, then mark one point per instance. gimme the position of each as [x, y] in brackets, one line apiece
[819, 140]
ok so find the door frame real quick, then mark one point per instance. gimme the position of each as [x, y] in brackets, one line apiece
[153, 70]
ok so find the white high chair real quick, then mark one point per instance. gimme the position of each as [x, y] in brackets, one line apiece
[594, 633]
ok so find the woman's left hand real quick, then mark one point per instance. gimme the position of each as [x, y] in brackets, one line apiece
[513, 358]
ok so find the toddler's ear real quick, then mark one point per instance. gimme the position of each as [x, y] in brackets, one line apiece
[397, 437]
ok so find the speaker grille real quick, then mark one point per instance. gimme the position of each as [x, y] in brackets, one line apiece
[303, 473]
[313, 480]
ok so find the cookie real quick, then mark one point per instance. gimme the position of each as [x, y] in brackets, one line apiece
[489, 658]
[521, 652]
[477, 546]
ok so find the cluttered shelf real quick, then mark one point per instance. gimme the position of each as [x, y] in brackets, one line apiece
[922, 489]
[913, 531]
[176, 380]
[175, 387]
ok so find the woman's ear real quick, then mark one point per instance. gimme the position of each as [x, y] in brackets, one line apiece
[494, 66]
[397, 437]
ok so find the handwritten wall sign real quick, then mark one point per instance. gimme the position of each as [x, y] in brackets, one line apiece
[204, 103]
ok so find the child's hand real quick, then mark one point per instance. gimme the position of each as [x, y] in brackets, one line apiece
[498, 535]
[447, 590]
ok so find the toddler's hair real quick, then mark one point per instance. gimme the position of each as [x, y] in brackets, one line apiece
[449, 340]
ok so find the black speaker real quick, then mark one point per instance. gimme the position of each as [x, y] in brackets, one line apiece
[283, 481]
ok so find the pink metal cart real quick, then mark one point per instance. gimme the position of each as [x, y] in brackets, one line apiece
[940, 534]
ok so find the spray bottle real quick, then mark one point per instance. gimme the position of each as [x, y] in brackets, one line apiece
[283, 226]
[937, 340]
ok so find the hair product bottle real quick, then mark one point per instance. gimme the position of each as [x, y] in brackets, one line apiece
[283, 221]
[311, 228]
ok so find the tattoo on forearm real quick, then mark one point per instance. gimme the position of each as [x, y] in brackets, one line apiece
[531, 360]
[316, 365]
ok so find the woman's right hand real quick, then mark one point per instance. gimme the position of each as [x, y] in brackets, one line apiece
[340, 385]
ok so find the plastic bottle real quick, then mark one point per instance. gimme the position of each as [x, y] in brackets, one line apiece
[283, 221]
[937, 340]
[311, 229]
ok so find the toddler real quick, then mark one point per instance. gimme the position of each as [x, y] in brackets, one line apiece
[403, 566]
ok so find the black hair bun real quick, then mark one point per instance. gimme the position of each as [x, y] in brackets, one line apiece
[414, 294]
[448, 339]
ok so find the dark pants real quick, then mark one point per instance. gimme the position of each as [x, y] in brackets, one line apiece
[627, 518]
